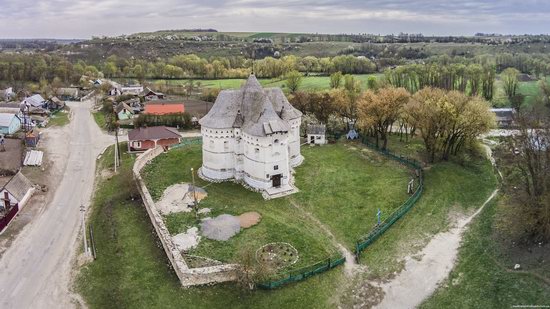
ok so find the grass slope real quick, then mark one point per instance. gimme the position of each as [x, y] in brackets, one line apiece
[477, 281]
[449, 188]
[132, 271]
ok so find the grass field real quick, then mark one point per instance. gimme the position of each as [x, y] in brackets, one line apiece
[529, 89]
[59, 119]
[449, 188]
[132, 270]
[308, 82]
[478, 279]
[339, 184]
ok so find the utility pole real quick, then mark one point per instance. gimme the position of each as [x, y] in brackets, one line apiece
[195, 206]
[82, 211]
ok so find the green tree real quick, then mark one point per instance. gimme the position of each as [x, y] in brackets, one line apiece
[510, 81]
[293, 80]
[335, 80]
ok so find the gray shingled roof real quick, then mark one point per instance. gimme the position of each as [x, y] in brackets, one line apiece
[258, 111]
[18, 186]
[316, 129]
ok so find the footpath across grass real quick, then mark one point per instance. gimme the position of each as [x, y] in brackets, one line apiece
[132, 271]
[450, 188]
[480, 281]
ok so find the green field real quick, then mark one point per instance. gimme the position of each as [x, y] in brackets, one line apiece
[449, 187]
[339, 184]
[308, 82]
[132, 271]
[480, 279]
[529, 89]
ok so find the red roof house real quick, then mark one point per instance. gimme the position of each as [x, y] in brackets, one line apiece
[142, 139]
[164, 108]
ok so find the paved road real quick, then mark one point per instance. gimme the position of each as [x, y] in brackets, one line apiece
[35, 271]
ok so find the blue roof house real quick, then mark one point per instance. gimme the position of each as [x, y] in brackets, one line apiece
[9, 123]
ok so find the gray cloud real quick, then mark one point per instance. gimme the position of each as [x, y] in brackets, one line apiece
[84, 18]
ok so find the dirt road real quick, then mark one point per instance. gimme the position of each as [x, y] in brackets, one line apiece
[35, 270]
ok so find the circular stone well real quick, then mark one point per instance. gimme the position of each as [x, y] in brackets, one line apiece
[277, 255]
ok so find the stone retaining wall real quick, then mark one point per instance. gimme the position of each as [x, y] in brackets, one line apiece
[188, 276]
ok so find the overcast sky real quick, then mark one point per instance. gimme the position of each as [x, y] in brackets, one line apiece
[84, 18]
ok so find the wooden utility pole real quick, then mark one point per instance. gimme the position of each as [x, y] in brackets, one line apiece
[195, 205]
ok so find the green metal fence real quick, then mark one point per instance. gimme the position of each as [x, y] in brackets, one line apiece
[303, 273]
[379, 229]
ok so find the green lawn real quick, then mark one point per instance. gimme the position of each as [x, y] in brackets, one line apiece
[478, 279]
[339, 184]
[449, 187]
[343, 185]
[59, 119]
[99, 118]
[132, 271]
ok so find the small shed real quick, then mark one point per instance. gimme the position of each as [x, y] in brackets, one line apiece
[316, 134]
[70, 93]
[9, 123]
[32, 138]
[504, 116]
[55, 104]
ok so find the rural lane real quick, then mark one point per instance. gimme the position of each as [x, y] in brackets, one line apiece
[35, 272]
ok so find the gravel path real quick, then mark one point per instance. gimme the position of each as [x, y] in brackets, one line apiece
[36, 269]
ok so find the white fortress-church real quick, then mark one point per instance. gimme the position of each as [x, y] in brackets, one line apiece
[252, 135]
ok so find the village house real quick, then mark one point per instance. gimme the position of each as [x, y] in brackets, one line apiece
[114, 91]
[150, 95]
[68, 94]
[14, 196]
[142, 139]
[9, 123]
[123, 111]
[132, 89]
[316, 134]
[504, 116]
[252, 135]
[35, 100]
[164, 108]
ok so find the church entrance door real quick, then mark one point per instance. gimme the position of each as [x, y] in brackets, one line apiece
[276, 180]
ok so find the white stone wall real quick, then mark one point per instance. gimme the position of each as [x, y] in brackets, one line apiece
[230, 153]
[296, 157]
[187, 276]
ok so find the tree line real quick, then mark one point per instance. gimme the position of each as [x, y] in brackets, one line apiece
[447, 121]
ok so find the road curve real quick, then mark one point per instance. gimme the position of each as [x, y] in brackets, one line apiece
[35, 271]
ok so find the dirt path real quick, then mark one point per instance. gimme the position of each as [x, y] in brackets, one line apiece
[420, 278]
[351, 267]
[36, 268]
